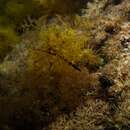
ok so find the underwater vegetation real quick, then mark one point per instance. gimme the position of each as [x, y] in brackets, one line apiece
[21, 15]
[8, 39]
[67, 44]
[16, 11]
[64, 65]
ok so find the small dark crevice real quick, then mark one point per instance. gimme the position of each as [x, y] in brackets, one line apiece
[128, 15]
[116, 2]
[106, 82]
[110, 29]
